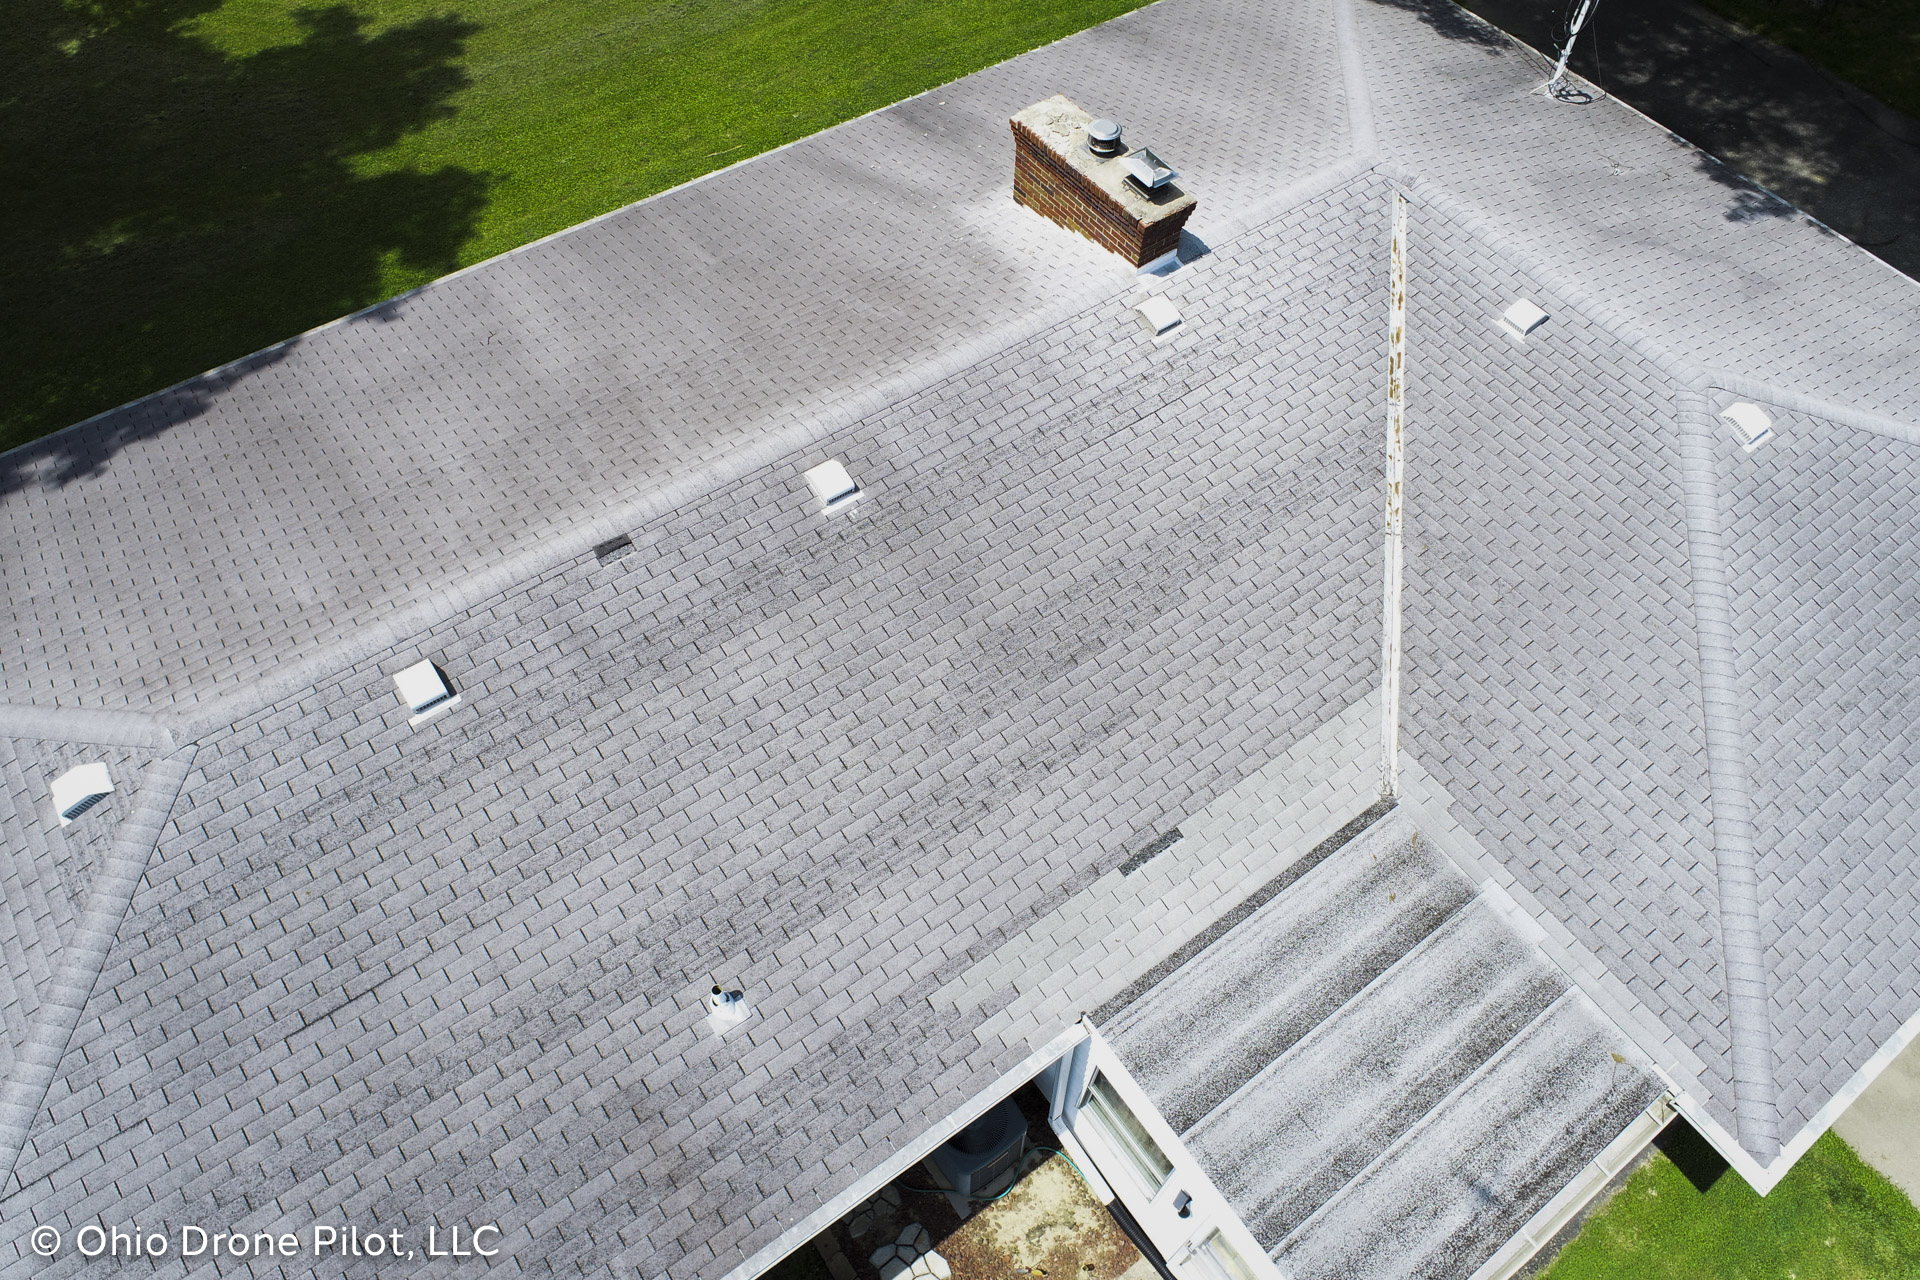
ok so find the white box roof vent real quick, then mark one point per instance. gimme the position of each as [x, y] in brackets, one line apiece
[1158, 314]
[79, 789]
[831, 483]
[1522, 318]
[1751, 425]
[425, 690]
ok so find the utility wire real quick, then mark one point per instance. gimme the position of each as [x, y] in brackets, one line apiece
[1557, 86]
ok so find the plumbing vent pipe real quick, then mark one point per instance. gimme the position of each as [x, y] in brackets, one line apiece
[726, 1009]
[79, 789]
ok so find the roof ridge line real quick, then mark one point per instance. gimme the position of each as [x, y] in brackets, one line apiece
[1609, 316]
[1353, 77]
[24, 1092]
[111, 726]
[1764, 1177]
[1813, 406]
[1749, 1022]
[548, 553]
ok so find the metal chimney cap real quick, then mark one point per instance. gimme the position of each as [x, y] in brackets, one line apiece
[1103, 137]
[1149, 170]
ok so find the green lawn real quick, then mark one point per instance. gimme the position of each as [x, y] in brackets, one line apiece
[1831, 1218]
[190, 180]
[1873, 44]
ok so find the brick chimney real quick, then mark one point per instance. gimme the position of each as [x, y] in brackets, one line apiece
[1074, 170]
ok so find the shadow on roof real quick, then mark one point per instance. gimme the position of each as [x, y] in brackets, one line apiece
[1453, 22]
[1775, 120]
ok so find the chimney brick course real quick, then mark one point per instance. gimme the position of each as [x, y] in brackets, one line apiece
[1055, 175]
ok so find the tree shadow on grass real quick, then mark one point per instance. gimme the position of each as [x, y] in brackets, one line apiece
[171, 207]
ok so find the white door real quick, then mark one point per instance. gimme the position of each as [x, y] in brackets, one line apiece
[1151, 1172]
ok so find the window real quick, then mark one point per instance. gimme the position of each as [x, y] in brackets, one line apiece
[1126, 1135]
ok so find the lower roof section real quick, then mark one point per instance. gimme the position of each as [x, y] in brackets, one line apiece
[1379, 1072]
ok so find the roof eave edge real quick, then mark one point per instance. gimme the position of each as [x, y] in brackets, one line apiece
[906, 1156]
[1763, 1178]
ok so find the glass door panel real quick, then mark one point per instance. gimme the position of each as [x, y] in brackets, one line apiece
[1126, 1135]
[1215, 1259]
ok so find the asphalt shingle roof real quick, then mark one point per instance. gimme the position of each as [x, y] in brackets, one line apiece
[1093, 585]
[481, 418]
[1552, 679]
[1820, 531]
[47, 871]
[456, 970]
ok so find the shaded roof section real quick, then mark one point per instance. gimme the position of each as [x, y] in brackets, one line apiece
[1655, 238]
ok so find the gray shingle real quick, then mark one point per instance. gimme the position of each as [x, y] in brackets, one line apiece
[380, 970]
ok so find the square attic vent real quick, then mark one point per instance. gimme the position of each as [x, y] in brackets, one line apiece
[425, 691]
[830, 482]
[1751, 425]
[1522, 318]
[1158, 314]
[79, 789]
